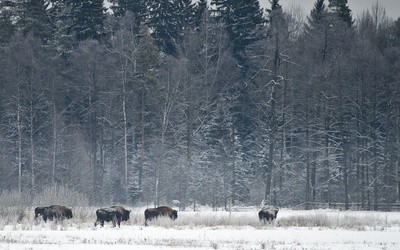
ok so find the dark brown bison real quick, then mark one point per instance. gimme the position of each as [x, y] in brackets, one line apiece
[268, 214]
[53, 212]
[154, 213]
[108, 214]
[123, 211]
[39, 211]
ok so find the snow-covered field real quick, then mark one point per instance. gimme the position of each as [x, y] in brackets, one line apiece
[294, 229]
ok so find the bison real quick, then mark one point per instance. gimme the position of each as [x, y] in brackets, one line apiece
[123, 211]
[108, 214]
[52, 212]
[154, 213]
[268, 214]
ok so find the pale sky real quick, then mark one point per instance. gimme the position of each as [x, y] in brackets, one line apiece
[392, 7]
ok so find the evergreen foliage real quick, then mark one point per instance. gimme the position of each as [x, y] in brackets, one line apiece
[137, 7]
[87, 19]
[6, 26]
[164, 21]
[342, 10]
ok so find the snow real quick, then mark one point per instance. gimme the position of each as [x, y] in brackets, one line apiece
[188, 232]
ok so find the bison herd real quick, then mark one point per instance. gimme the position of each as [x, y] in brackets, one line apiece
[116, 214]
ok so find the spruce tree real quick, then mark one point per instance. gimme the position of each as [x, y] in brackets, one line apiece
[163, 20]
[31, 17]
[63, 40]
[7, 28]
[317, 30]
[318, 12]
[186, 14]
[88, 19]
[343, 11]
[199, 11]
[396, 32]
[243, 20]
[137, 7]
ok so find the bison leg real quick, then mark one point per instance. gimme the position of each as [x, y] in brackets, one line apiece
[114, 220]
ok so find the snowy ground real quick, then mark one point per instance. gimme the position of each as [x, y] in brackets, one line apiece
[315, 229]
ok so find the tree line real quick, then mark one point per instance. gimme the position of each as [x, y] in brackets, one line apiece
[200, 102]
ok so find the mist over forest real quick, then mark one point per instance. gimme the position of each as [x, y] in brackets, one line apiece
[184, 102]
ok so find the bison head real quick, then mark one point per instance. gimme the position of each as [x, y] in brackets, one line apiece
[125, 215]
[174, 214]
[68, 213]
[39, 211]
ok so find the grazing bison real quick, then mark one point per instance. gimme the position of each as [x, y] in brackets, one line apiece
[268, 213]
[108, 214]
[123, 211]
[52, 212]
[154, 213]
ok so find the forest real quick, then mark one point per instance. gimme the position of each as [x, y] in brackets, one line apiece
[193, 102]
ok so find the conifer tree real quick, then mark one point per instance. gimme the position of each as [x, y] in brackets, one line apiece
[243, 19]
[343, 11]
[63, 40]
[199, 11]
[86, 18]
[163, 20]
[186, 14]
[137, 7]
[89, 16]
[317, 30]
[7, 28]
[30, 16]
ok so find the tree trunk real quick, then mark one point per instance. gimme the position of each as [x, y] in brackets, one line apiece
[141, 160]
[313, 177]
[19, 141]
[308, 168]
[272, 136]
[124, 80]
[54, 148]
[32, 146]
[327, 190]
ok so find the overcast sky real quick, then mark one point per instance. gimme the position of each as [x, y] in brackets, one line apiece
[392, 7]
